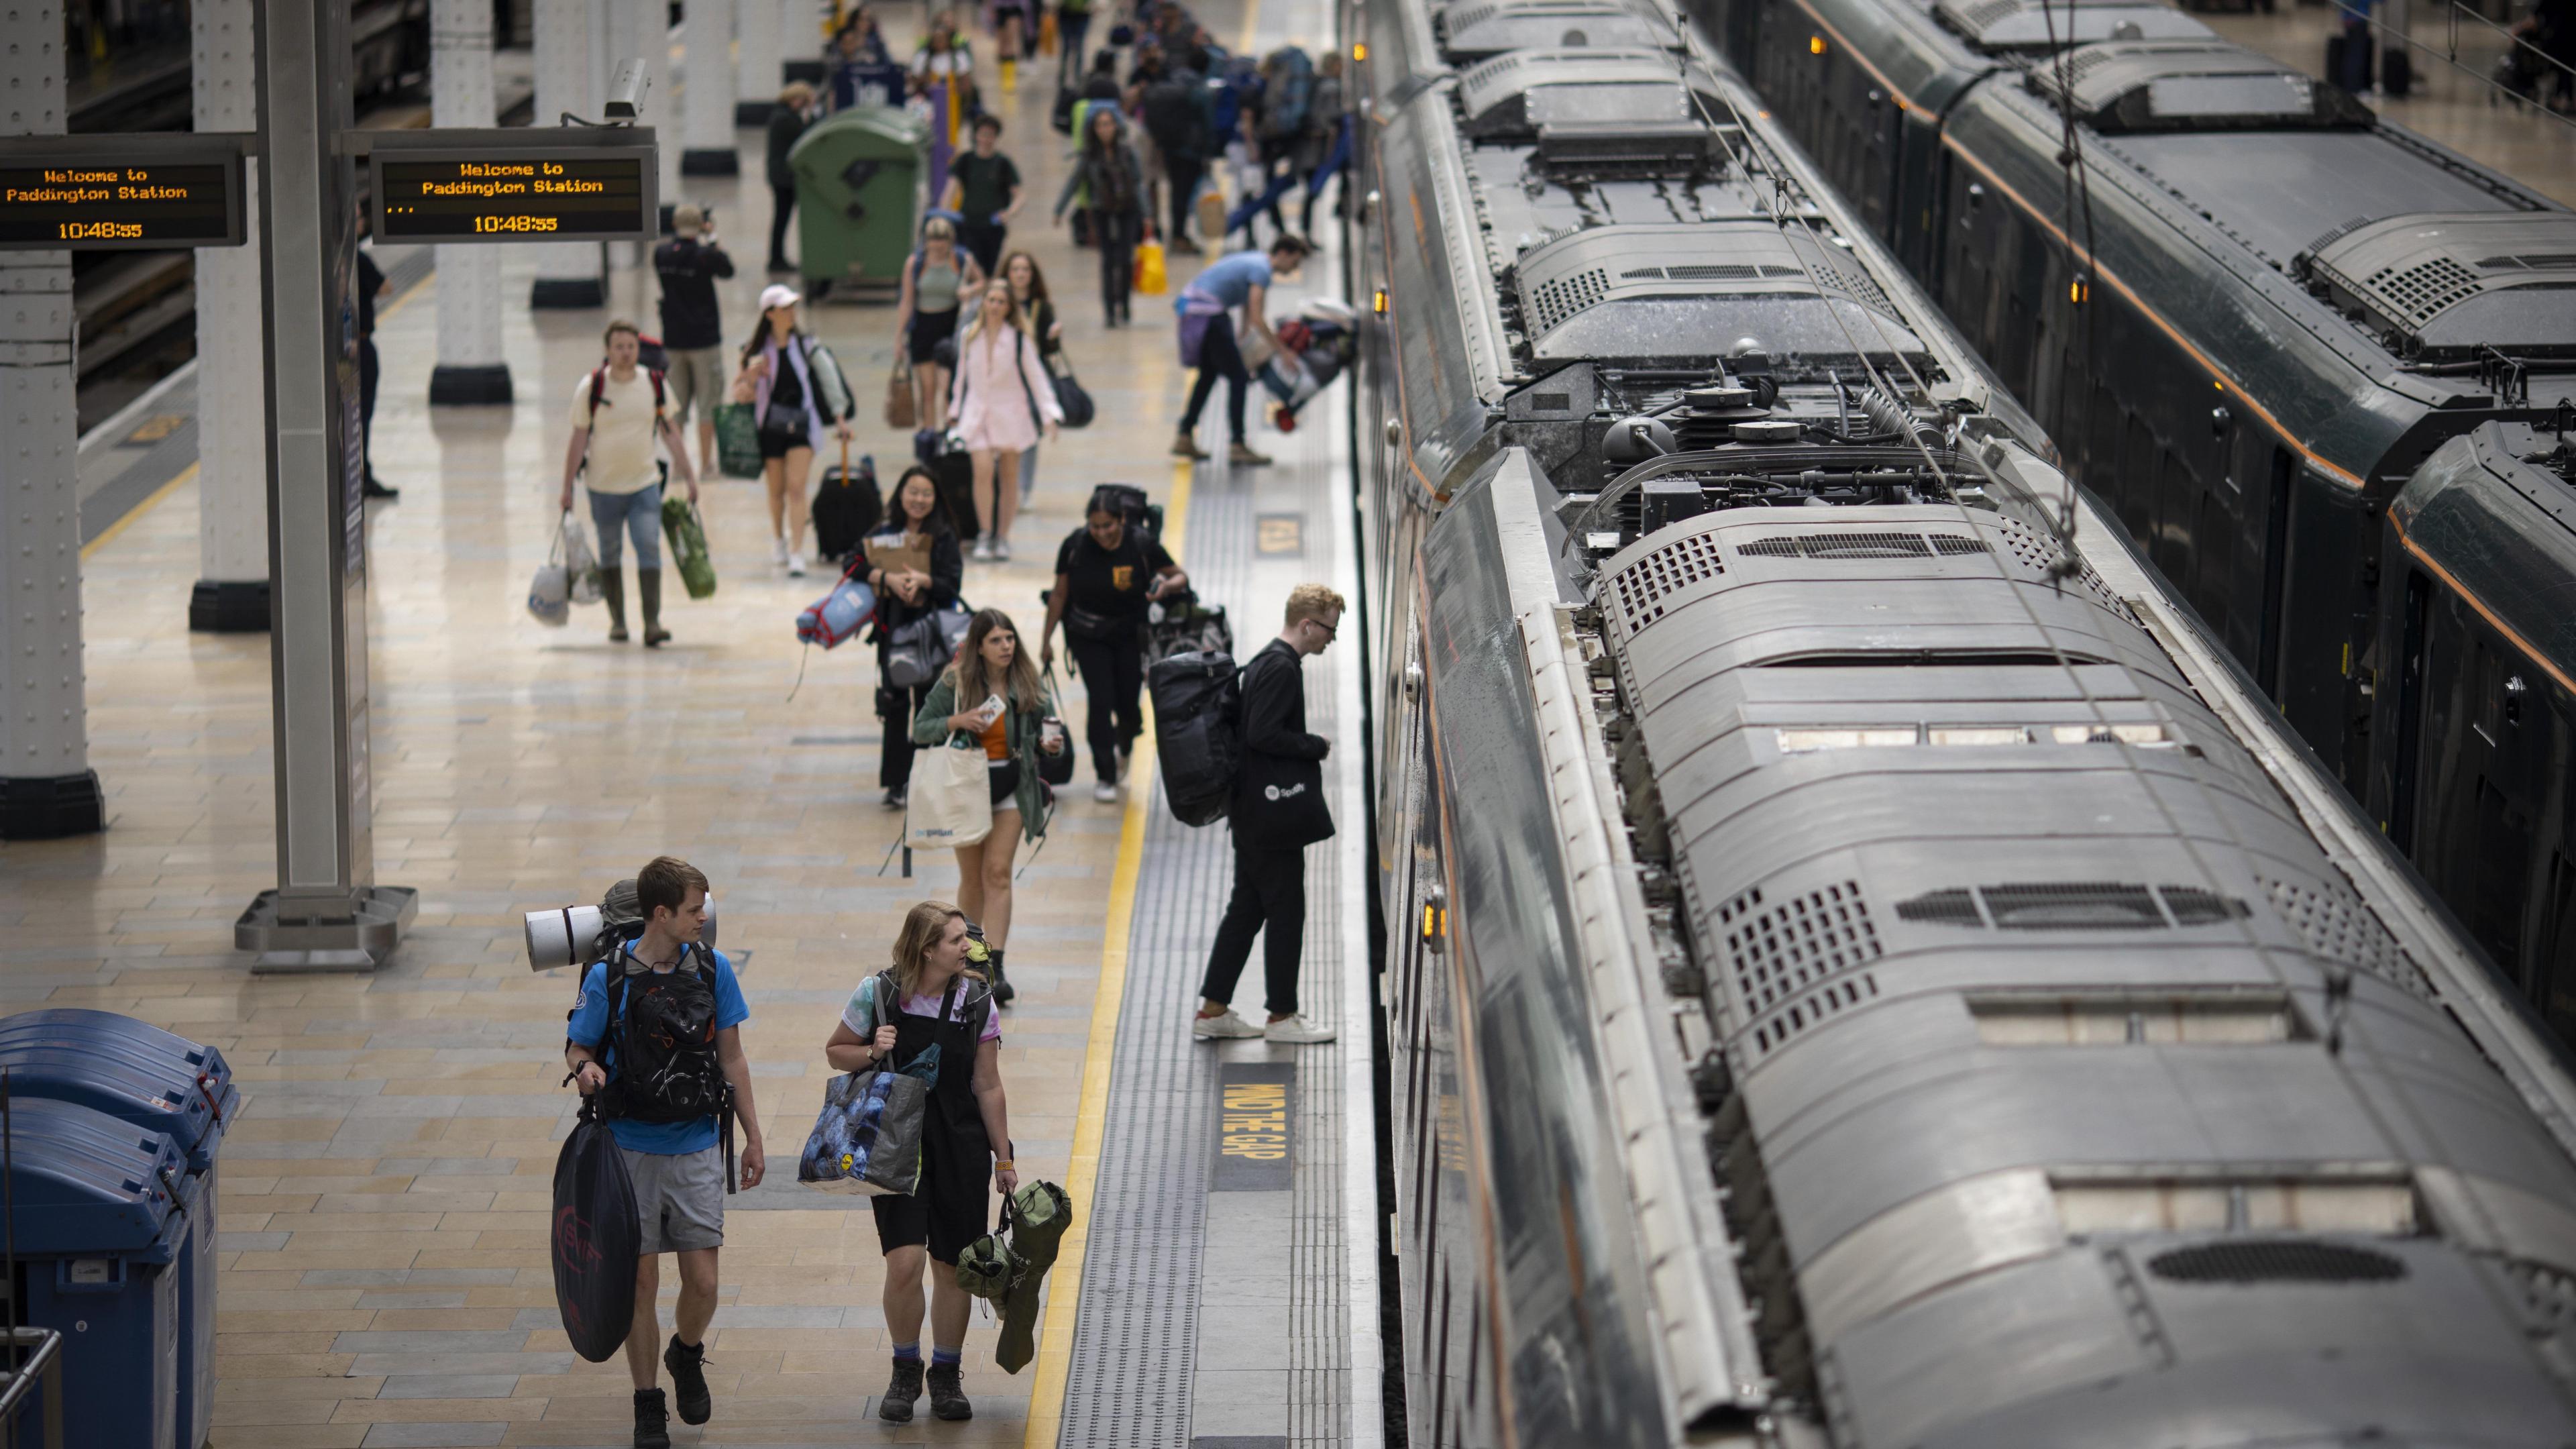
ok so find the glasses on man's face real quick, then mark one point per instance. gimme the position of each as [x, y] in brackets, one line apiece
[1331, 631]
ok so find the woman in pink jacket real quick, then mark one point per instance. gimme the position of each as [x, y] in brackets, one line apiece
[1001, 398]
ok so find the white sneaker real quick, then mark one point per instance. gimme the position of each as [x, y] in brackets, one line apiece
[1215, 1028]
[796, 565]
[983, 550]
[1296, 1030]
[1001, 550]
[778, 551]
[1105, 793]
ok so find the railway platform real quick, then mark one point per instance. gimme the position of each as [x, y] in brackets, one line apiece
[384, 1274]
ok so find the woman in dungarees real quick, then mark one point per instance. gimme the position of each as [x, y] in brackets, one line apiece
[930, 999]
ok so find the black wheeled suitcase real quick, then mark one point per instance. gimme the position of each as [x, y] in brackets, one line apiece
[955, 471]
[847, 507]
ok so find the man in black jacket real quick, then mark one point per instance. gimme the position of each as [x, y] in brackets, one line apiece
[689, 265]
[1278, 811]
[787, 123]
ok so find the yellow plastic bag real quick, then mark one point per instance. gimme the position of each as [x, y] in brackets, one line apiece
[1151, 280]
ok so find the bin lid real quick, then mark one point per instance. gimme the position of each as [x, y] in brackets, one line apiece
[861, 133]
[83, 1182]
[126, 1068]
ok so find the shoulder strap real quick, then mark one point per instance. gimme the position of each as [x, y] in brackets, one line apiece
[657, 393]
[598, 384]
[881, 1006]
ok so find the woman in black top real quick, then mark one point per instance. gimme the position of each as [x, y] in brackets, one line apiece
[1112, 181]
[919, 527]
[787, 123]
[1029, 289]
[1105, 576]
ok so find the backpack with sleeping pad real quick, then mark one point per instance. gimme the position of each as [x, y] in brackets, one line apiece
[1290, 96]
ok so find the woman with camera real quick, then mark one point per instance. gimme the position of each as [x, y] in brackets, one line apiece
[796, 392]
[1106, 575]
[992, 697]
[915, 567]
[930, 998]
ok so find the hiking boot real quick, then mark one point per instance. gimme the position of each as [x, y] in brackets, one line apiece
[652, 1420]
[688, 1365]
[948, 1393]
[901, 1390]
[1242, 456]
[1185, 446]
[1003, 990]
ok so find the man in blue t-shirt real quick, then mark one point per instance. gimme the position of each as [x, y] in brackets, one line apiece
[1206, 307]
[662, 984]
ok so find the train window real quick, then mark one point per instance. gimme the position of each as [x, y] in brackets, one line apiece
[2230, 1018]
[1972, 736]
[2320, 1201]
[2149, 735]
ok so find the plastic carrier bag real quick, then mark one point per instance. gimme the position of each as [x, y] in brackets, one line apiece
[688, 539]
[550, 592]
[737, 441]
[581, 564]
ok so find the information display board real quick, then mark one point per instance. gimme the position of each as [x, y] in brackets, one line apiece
[516, 186]
[125, 192]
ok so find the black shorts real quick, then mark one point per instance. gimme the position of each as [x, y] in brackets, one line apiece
[929, 329]
[1006, 782]
[953, 1208]
[780, 444]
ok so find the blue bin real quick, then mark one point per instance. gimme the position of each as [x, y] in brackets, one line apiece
[155, 1079]
[101, 1216]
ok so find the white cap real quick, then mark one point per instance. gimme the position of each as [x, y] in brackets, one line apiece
[779, 295]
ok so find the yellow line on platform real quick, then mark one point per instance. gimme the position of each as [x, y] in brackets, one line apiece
[137, 511]
[1091, 1115]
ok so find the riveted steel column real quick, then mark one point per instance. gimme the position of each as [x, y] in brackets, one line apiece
[707, 119]
[568, 40]
[326, 913]
[231, 595]
[47, 788]
[470, 369]
[762, 26]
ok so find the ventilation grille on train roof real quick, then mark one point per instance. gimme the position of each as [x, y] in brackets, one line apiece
[2072, 906]
[1798, 959]
[1562, 278]
[2045, 24]
[2190, 85]
[2428, 283]
[1864, 546]
[1643, 586]
[2040, 553]
[2276, 1260]
[1507, 93]
[2337, 926]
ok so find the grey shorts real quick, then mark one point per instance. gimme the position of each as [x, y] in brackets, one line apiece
[696, 373]
[680, 1199]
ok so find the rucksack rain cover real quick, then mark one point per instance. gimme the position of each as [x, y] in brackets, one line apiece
[596, 1233]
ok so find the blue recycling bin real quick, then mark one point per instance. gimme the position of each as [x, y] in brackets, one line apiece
[159, 1080]
[101, 1211]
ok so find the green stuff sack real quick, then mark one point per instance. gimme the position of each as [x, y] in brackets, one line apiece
[1036, 1216]
[737, 441]
[688, 539]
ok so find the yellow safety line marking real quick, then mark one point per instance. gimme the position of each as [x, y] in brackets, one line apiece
[1091, 1114]
[137, 511]
[396, 305]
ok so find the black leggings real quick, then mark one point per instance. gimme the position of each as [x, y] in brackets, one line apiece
[897, 707]
[1183, 173]
[1113, 675]
[1115, 233]
[1070, 29]
[1219, 357]
[782, 201]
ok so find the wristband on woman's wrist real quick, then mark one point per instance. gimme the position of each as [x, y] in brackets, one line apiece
[1003, 1164]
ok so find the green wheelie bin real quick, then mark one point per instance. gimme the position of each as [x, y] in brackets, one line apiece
[859, 176]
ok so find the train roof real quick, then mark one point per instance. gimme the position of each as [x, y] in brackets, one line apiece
[1524, 92]
[1473, 29]
[2495, 509]
[2004, 26]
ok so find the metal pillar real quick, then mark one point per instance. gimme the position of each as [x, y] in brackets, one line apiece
[762, 25]
[326, 912]
[231, 596]
[47, 788]
[708, 120]
[470, 369]
[569, 45]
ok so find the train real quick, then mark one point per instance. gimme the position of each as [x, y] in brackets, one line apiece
[2253, 314]
[1864, 964]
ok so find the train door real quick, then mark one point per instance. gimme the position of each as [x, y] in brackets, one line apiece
[2325, 618]
[2275, 544]
[2410, 715]
[1922, 174]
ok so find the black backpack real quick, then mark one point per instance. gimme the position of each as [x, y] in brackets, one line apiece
[663, 1027]
[1198, 733]
[1172, 114]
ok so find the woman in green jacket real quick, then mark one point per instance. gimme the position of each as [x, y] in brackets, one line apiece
[992, 696]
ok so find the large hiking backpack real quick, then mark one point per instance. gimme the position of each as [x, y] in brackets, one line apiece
[663, 1026]
[1291, 94]
[1198, 703]
[1237, 85]
[1172, 115]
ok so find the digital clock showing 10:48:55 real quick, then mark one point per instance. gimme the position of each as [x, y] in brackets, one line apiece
[86, 205]
[497, 195]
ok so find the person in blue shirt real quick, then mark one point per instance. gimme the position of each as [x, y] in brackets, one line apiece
[676, 1006]
[1206, 307]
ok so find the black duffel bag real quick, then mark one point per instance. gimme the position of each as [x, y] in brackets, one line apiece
[1197, 733]
[595, 1238]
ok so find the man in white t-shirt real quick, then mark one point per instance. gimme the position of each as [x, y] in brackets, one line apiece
[617, 413]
